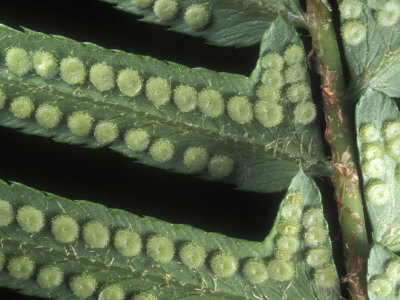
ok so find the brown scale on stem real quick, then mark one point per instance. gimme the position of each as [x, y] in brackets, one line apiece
[325, 60]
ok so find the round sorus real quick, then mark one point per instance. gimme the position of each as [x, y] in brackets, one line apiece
[272, 61]
[127, 242]
[268, 114]
[223, 264]
[137, 139]
[162, 150]
[158, 90]
[49, 277]
[195, 158]
[326, 277]
[192, 255]
[280, 270]
[129, 82]
[65, 229]
[83, 285]
[96, 235]
[30, 219]
[255, 270]
[160, 248]
[354, 32]
[197, 16]
[22, 107]
[72, 70]
[44, 64]
[240, 109]
[6, 213]
[185, 98]
[294, 54]
[220, 166]
[17, 61]
[102, 76]
[211, 103]
[48, 116]
[21, 267]
[106, 132]
[166, 10]
[80, 123]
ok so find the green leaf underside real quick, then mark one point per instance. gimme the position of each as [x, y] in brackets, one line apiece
[265, 159]
[376, 108]
[170, 280]
[376, 60]
[233, 23]
[378, 258]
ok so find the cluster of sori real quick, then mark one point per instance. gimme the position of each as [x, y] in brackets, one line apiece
[158, 90]
[65, 230]
[160, 249]
[315, 240]
[196, 16]
[377, 159]
[382, 285]
[288, 74]
[387, 14]
[81, 123]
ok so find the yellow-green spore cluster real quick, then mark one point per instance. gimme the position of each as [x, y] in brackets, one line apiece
[220, 166]
[83, 285]
[129, 82]
[240, 109]
[50, 277]
[284, 76]
[160, 248]
[166, 10]
[18, 61]
[350, 9]
[185, 98]
[102, 76]
[268, 113]
[3, 98]
[211, 103]
[80, 123]
[48, 116]
[354, 32]
[388, 14]
[21, 267]
[112, 292]
[162, 150]
[192, 255]
[96, 235]
[142, 3]
[318, 256]
[382, 285]
[106, 132]
[144, 296]
[72, 70]
[158, 90]
[127, 242]
[6, 213]
[223, 264]
[195, 158]
[137, 139]
[65, 229]
[22, 107]
[255, 270]
[380, 158]
[197, 16]
[44, 64]
[30, 219]
[287, 242]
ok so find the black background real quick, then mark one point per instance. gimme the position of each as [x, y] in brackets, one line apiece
[104, 176]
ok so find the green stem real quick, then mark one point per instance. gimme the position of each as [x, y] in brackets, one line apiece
[339, 134]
